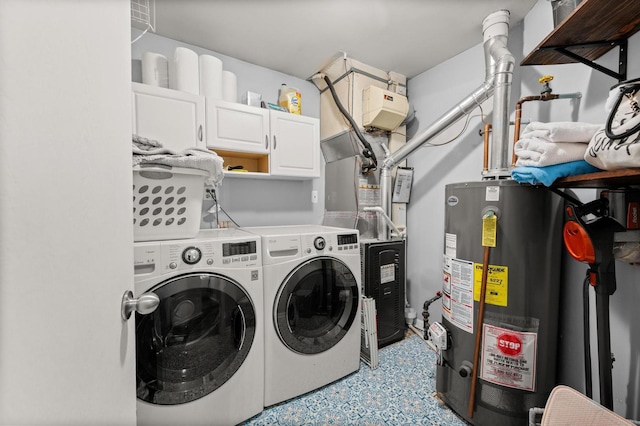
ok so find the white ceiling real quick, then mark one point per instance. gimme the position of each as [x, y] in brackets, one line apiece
[300, 37]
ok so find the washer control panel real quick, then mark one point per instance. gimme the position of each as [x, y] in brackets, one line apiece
[319, 243]
[199, 254]
[216, 249]
[191, 255]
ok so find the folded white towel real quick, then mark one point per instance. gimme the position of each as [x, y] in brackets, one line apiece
[147, 151]
[145, 144]
[561, 131]
[537, 152]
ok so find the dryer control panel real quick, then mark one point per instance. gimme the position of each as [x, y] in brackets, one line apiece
[346, 243]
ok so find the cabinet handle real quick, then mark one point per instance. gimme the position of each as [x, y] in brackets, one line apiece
[200, 133]
[275, 141]
[266, 141]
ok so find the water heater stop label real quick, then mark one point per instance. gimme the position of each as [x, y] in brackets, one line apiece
[508, 357]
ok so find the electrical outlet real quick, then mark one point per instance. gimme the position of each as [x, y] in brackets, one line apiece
[207, 195]
[314, 197]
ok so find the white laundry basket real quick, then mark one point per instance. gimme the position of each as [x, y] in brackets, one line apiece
[167, 202]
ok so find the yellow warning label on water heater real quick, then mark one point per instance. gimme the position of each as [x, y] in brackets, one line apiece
[489, 230]
[497, 284]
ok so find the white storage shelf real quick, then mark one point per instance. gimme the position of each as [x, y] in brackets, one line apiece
[266, 143]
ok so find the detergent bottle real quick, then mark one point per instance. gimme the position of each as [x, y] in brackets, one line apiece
[290, 99]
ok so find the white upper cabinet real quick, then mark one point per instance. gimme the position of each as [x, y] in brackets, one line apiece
[240, 132]
[264, 142]
[295, 145]
[237, 127]
[173, 118]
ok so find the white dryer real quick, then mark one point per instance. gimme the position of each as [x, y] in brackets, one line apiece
[312, 307]
[200, 353]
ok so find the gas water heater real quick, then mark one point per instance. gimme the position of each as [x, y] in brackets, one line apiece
[497, 343]
[516, 357]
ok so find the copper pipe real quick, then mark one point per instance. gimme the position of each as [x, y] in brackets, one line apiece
[547, 96]
[487, 131]
[478, 330]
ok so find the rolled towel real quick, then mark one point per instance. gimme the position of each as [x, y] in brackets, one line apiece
[538, 152]
[561, 131]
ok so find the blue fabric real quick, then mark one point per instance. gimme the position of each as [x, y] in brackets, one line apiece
[548, 174]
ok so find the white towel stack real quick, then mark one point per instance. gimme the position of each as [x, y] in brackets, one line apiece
[546, 144]
[147, 151]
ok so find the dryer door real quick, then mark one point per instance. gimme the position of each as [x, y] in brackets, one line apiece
[197, 338]
[316, 305]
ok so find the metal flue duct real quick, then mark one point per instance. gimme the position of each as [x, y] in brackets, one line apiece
[498, 76]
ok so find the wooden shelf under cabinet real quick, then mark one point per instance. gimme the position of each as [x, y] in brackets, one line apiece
[252, 162]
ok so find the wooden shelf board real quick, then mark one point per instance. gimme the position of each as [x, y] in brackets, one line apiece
[606, 179]
[592, 21]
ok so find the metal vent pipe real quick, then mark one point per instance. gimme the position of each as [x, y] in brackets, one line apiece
[498, 76]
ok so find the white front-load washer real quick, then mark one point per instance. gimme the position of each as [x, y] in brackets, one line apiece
[199, 355]
[312, 307]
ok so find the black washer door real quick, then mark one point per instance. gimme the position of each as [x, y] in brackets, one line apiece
[316, 305]
[196, 339]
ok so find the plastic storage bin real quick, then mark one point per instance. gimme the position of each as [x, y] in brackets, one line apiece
[562, 9]
[167, 202]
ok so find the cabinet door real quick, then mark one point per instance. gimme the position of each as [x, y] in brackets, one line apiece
[237, 127]
[295, 146]
[173, 118]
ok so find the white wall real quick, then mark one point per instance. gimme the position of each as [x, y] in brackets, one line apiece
[66, 356]
[254, 202]
[439, 88]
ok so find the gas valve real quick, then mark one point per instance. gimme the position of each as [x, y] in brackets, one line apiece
[545, 80]
[425, 312]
